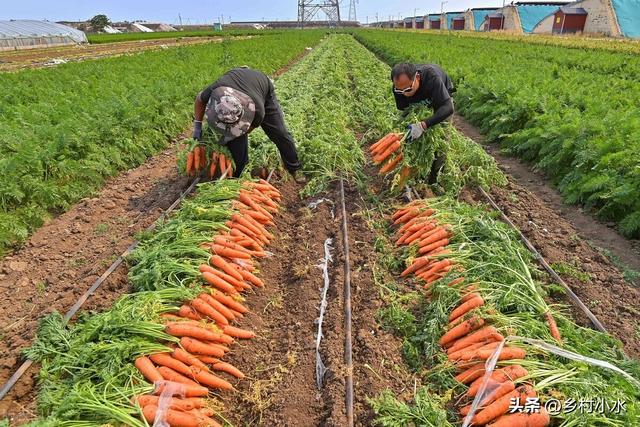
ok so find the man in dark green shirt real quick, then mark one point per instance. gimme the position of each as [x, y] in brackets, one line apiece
[235, 104]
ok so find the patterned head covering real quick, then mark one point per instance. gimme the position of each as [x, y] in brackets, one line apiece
[229, 112]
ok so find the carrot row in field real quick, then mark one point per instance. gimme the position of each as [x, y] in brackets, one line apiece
[207, 325]
[469, 340]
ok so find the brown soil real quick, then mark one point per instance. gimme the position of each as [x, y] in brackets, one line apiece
[562, 234]
[34, 58]
[280, 364]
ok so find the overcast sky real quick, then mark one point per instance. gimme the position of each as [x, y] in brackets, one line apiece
[206, 11]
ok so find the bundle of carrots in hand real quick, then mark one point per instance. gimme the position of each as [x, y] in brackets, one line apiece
[197, 160]
[469, 340]
[385, 148]
[204, 325]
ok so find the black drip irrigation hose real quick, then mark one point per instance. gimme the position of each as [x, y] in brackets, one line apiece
[6, 388]
[348, 354]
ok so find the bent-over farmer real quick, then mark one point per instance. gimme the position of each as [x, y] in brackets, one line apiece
[235, 104]
[430, 85]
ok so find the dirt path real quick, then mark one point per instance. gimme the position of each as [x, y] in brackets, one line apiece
[563, 234]
[281, 363]
[34, 58]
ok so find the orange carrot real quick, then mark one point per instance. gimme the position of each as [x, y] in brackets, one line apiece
[415, 265]
[186, 358]
[218, 262]
[438, 234]
[204, 308]
[173, 418]
[196, 158]
[217, 282]
[193, 331]
[225, 241]
[174, 403]
[237, 332]
[189, 312]
[229, 302]
[210, 380]
[457, 354]
[218, 306]
[248, 276]
[165, 359]
[462, 329]
[471, 374]
[228, 368]
[228, 252]
[147, 369]
[222, 163]
[553, 327]
[391, 164]
[190, 160]
[409, 214]
[508, 353]
[466, 307]
[171, 375]
[477, 336]
[181, 389]
[237, 284]
[473, 354]
[208, 359]
[431, 247]
[501, 405]
[508, 373]
[377, 159]
[195, 346]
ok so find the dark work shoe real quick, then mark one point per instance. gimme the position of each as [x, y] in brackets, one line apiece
[298, 177]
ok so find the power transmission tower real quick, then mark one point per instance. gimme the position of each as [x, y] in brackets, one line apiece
[352, 10]
[308, 10]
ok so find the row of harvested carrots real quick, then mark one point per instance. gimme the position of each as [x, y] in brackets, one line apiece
[469, 340]
[204, 324]
[389, 150]
[217, 163]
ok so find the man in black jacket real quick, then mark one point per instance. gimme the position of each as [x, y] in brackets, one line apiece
[428, 84]
[235, 104]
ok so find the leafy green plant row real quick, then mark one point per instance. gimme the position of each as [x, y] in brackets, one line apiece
[573, 113]
[125, 37]
[502, 270]
[63, 130]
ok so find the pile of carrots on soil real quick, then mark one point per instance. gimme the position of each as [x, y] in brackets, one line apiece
[204, 325]
[384, 150]
[469, 339]
[215, 165]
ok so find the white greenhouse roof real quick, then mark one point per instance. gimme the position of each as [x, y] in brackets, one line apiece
[26, 28]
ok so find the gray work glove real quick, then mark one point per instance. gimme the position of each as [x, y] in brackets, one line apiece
[197, 130]
[414, 131]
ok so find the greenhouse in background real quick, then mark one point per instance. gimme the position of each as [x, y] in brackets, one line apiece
[32, 34]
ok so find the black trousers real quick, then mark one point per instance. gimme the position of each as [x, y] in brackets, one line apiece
[276, 129]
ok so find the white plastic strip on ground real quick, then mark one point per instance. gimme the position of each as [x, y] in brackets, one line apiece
[169, 389]
[321, 369]
[488, 385]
